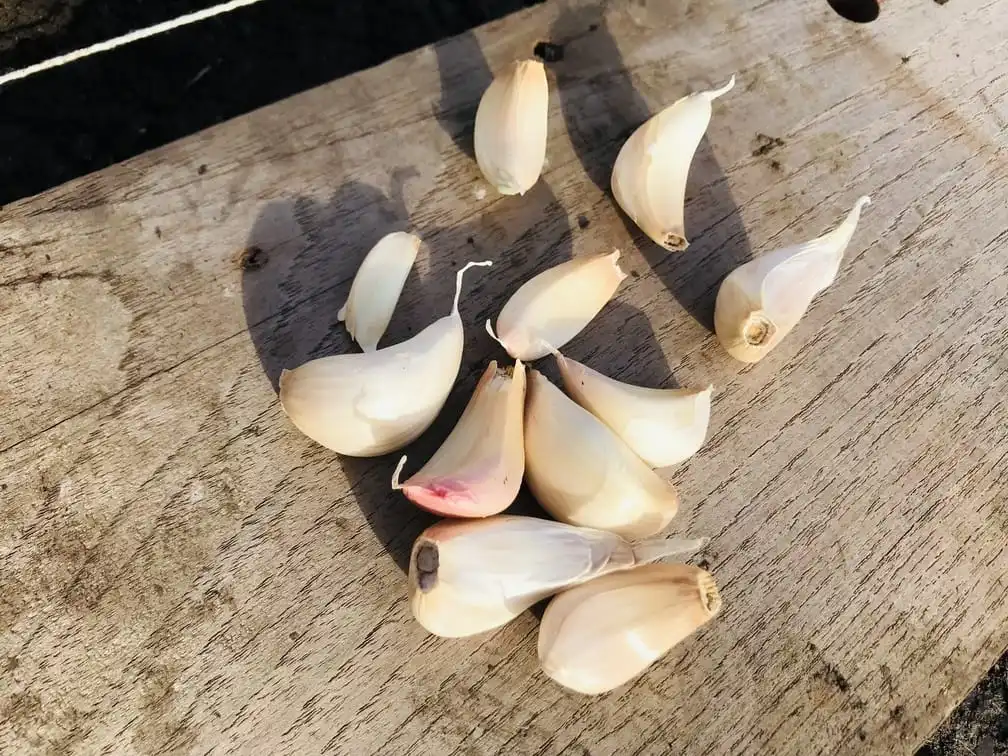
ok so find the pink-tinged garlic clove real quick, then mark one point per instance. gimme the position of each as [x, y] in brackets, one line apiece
[478, 469]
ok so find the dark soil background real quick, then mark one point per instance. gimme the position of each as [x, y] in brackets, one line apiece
[66, 122]
[82, 117]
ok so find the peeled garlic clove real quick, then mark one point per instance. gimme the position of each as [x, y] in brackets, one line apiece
[601, 634]
[661, 426]
[478, 469]
[649, 175]
[510, 131]
[583, 474]
[376, 288]
[553, 307]
[469, 576]
[368, 404]
[762, 300]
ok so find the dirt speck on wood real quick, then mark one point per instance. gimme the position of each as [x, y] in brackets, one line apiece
[766, 144]
[549, 52]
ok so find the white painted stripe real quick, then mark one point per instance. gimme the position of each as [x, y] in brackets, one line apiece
[111, 44]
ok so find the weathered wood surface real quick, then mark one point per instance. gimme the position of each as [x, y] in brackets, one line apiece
[183, 572]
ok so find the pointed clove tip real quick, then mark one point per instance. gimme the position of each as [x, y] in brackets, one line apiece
[396, 485]
[614, 257]
[285, 374]
[458, 280]
[490, 331]
[715, 93]
[855, 212]
[543, 344]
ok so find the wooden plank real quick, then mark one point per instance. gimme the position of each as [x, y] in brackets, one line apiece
[185, 573]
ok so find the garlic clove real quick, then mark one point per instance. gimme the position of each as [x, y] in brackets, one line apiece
[478, 469]
[759, 302]
[376, 288]
[661, 426]
[650, 172]
[583, 474]
[510, 132]
[368, 404]
[601, 634]
[554, 306]
[470, 576]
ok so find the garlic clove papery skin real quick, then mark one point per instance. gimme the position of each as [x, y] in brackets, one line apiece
[601, 634]
[376, 288]
[761, 301]
[470, 576]
[509, 136]
[365, 405]
[478, 469]
[584, 474]
[663, 427]
[368, 404]
[649, 175]
[554, 306]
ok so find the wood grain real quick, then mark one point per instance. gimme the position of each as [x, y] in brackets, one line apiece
[183, 572]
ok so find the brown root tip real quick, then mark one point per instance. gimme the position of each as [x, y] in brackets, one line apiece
[426, 562]
[710, 596]
[675, 242]
[758, 329]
